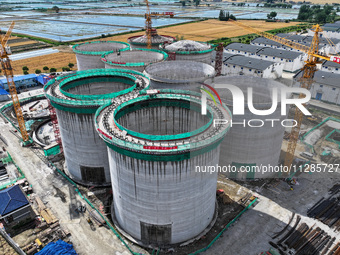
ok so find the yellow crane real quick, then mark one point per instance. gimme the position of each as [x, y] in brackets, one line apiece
[306, 80]
[148, 22]
[8, 72]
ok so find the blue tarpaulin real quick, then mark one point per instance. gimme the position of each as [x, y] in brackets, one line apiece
[58, 248]
[20, 78]
[3, 92]
[42, 79]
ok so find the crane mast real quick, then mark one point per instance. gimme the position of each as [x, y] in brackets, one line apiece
[8, 72]
[148, 25]
[306, 82]
[148, 22]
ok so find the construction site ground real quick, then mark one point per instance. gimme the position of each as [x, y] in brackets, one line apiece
[46, 184]
[250, 234]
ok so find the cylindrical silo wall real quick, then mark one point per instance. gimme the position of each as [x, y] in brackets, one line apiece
[94, 87]
[85, 152]
[85, 62]
[142, 46]
[193, 86]
[169, 197]
[134, 68]
[203, 57]
[253, 146]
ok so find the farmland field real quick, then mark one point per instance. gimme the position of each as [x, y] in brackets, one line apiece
[210, 30]
[200, 31]
[56, 60]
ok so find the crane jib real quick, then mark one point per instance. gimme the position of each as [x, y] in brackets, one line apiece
[335, 59]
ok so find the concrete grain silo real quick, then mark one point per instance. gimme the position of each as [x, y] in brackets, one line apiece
[136, 59]
[89, 54]
[247, 146]
[141, 41]
[76, 98]
[186, 75]
[190, 50]
[156, 143]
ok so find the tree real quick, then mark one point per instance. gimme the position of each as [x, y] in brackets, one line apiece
[232, 17]
[56, 9]
[53, 70]
[25, 72]
[272, 15]
[179, 38]
[183, 3]
[25, 68]
[222, 15]
[37, 71]
[197, 2]
[321, 17]
[70, 65]
[45, 68]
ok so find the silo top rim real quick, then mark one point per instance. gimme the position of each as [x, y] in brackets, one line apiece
[188, 46]
[115, 59]
[181, 71]
[56, 94]
[140, 143]
[99, 47]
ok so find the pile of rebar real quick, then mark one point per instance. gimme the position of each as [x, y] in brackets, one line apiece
[302, 239]
[327, 210]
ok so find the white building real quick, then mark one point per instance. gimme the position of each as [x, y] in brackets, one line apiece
[326, 86]
[325, 46]
[329, 66]
[243, 49]
[264, 42]
[330, 30]
[243, 65]
[292, 61]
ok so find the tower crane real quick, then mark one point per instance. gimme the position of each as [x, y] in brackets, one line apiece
[8, 72]
[308, 71]
[148, 22]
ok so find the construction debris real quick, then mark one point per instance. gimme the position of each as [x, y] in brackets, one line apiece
[302, 239]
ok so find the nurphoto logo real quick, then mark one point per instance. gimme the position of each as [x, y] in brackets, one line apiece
[239, 104]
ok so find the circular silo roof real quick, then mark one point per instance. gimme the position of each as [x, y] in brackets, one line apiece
[179, 71]
[189, 47]
[99, 47]
[135, 57]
